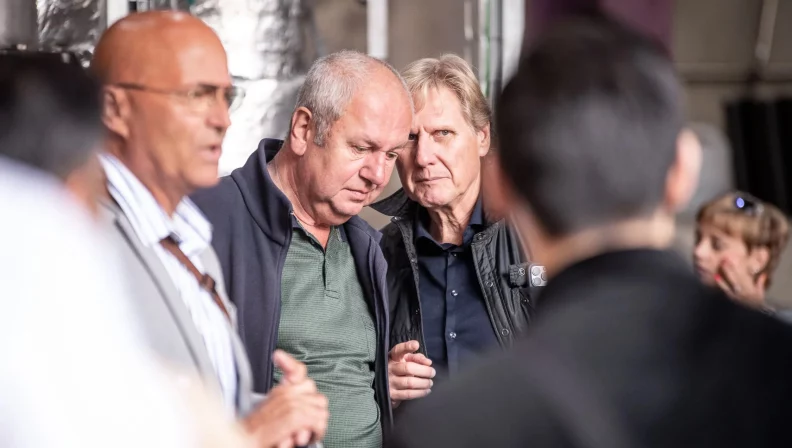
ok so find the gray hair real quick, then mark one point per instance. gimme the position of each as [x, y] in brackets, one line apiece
[330, 84]
[453, 73]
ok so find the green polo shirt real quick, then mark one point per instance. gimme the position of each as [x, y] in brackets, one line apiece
[326, 324]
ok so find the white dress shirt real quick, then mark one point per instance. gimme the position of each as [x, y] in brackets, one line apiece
[75, 372]
[193, 232]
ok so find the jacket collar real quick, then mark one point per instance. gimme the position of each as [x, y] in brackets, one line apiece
[268, 206]
[397, 205]
[400, 206]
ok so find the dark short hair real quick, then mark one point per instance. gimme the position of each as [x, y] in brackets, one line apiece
[589, 125]
[50, 112]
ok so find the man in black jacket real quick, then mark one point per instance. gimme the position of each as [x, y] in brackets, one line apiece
[307, 274]
[457, 277]
[628, 348]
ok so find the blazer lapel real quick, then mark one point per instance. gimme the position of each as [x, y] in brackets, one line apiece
[170, 295]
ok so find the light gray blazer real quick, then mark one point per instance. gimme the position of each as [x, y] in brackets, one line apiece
[165, 319]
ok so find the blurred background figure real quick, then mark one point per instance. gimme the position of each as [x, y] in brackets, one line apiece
[74, 372]
[166, 99]
[627, 347]
[50, 114]
[739, 242]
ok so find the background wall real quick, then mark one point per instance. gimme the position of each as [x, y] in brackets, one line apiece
[713, 46]
[712, 42]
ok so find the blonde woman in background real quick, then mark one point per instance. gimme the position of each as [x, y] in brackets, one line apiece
[739, 242]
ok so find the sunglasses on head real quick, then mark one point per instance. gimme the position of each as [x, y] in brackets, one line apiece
[748, 204]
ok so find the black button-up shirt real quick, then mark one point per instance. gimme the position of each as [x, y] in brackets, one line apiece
[456, 324]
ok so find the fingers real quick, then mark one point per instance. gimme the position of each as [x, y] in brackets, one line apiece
[409, 380]
[298, 394]
[418, 358]
[409, 394]
[302, 438]
[411, 369]
[287, 443]
[398, 352]
[738, 279]
[289, 419]
[410, 383]
[761, 282]
[722, 284]
[307, 386]
[740, 284]
[293, 371]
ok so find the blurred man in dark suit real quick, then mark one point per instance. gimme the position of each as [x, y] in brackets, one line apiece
[628, 348]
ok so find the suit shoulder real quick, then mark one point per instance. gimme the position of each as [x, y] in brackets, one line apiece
[498, 384]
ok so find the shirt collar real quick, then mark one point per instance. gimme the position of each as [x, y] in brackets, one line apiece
[150, 222]
[297, 226]
[423, 223]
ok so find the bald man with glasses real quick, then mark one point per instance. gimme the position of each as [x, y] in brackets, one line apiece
[166, 99]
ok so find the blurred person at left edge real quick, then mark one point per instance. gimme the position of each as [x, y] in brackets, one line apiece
[166, 99]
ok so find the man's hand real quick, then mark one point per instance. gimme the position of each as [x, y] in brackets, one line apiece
[294, 413]
[409, 374]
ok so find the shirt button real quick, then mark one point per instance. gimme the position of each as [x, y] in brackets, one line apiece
[490, 284]
[505, 332]
[453, 292]
[452, 335]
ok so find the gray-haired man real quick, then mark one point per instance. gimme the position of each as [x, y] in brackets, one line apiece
[306, 274]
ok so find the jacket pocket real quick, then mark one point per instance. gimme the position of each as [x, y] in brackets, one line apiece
[520, 295]
[522, 302]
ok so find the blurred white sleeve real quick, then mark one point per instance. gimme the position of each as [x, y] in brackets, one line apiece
[72, 371]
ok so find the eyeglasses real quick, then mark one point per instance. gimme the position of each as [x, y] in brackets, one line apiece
[748, 204]
[200, 98]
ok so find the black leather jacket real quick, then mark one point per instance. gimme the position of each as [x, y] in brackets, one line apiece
[501, 267]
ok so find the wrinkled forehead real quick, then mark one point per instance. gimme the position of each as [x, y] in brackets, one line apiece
[379, 114]
[438, 104]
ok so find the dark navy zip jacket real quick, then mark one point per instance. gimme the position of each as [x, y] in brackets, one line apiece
[252, 232]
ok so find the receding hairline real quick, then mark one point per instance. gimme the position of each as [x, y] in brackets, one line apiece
[346, 75]
[346, 62]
